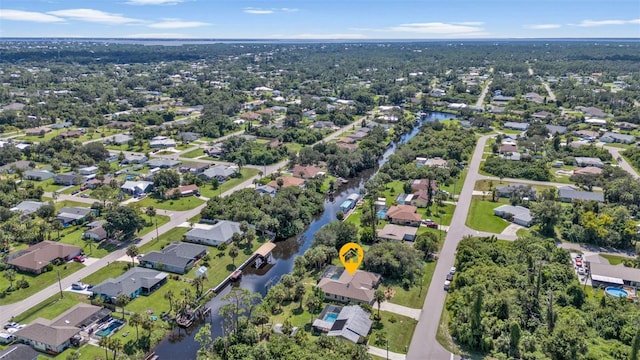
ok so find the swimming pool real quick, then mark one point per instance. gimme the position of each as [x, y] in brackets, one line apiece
[106, 332]
[616, 292]
[382, 214]
[331, 317]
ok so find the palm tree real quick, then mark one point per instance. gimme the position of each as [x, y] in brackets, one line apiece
[198, 283]
[379, 297]
[135, 319]
[122, 300]
[169, 296]
[147, 324]
[300, 291]
[105, 342]
[10, 275]
[116, 345]
[150, 212]
[57, 225]
[233, 252]
[132, 252]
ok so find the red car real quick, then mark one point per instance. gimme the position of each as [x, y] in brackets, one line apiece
[430, 224]
[578, 262]
[78, 258]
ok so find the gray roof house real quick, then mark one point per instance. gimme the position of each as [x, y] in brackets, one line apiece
[136, 187]
[571, 194]
[516, 125]
[163, 163]
[220, 232]
[220, 172]
[176, 257]
[19, 352]
[607, 274]
[68, 179]
[611, 137]
[521, 190]
[38, 175]
[134, 159]
[70, 215]
[28, 207]
[135, 282]
[352, 323]
[556, 129]
[588, 161]
[120, 139]
[520, 215]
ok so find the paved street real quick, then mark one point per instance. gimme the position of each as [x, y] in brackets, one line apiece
[615, 152]
[424, 344]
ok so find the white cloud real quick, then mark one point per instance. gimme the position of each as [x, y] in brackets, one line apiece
[470, 23]
[19, 15]
[592, 23]
[439, 28]
[542, 26]
[177, 24]
[158, 36]
[258, 11]
[91, 15]
[153, 2]
[320, 36]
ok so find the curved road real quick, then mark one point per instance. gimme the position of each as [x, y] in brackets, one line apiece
[615, 152]
[424, 344]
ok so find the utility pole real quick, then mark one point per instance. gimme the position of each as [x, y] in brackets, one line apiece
[157, 234]
[387, 349]
[60, 284]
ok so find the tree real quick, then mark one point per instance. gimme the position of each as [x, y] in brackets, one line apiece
[166, 179]
[124, 221]
[427, 243]
[103, 193]
[132, 252]
[635, 346]
[10, 275]
[105, 342]
[135, 320]
[57, 225]
[313, 304]
[150, 212]
[169, 296]
[116, 346]
[233, 253]
[546, 214]
[288, 282]
[300, 290]
[514, 343]
[122, 300]
[379, 297]
[260, 316]
[74, 355]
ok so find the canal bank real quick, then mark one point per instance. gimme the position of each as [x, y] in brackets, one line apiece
[181, 343]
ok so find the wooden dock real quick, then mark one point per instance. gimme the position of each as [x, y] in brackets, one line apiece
[263, 252]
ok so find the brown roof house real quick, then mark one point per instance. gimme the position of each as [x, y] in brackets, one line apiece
[340, 285]
[287, 181]
[404, 215]
[307, 172]
[38, 256]
[54, 336]
[186, 190]
[397, 232]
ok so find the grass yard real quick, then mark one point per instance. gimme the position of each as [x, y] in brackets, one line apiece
[174, 234]
[247, 173]
[414, 297]
[180, 204]
[37, 282]
[193, 153]
[68, 203]
[481, 216]
[51, 307]
[392, 190]
[614, 259]
[397, 329]
[112, 270]
[46, 185]
[440, 214]
[456, 186]
[293, 147]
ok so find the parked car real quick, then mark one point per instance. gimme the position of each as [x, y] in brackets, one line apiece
[452, 270]
[449, 277]
[447, 283]
[582, 271]
[10, 325]
[74, 192]
[78, 258]
[578, 262]
[430, 224]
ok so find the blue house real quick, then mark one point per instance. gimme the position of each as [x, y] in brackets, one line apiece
[135, 282]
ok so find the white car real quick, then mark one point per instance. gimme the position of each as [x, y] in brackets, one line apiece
[447, 283]
[453, 270]
[581, 271]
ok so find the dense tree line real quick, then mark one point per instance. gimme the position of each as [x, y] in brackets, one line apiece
[522, 300]
[242, 151]
[286, 214]
[297, 135]
[504, 168]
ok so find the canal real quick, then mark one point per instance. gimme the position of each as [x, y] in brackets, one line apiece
[180, 344]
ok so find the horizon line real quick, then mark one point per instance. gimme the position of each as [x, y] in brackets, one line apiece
[309, 39]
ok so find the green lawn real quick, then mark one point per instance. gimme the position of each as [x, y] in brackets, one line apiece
[46, 185]
[193, 153]
[456, 186]
[481, 216]
[293, 147]
[440, 214]
[614, 259]
[180, 204]
[174, 234]
[52, 307]
[397, 329]
[112, 270]
[68, 203]
[414, 297]
[393, 189]
[37, 282]
[247, 173]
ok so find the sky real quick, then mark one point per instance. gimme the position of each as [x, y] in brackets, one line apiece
[321, 19]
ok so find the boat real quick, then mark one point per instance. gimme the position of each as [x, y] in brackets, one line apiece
[236, 275]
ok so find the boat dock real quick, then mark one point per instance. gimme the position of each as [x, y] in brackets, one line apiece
[261, 256]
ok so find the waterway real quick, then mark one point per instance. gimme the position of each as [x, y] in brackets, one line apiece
[180, 344]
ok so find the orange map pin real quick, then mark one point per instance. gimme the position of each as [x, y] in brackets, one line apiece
[351, 256]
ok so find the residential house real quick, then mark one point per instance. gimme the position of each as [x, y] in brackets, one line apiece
[508, 149]
[88, 170]
[20, 164]
[517, 214]
[339, 285]
[135, 188]
[352, 323]
[186, 190]
[587, 134]
[97, 233]
[176, 257]
[588, 161]
[74, 215]
[215, 151]
[421, 185]
[213, 234]
[68, 179]
[266, 190]
[403, 215]
[71, 134]
[571, 194]
[120, 124]
[18, 352]
[592, 112]
[321, 125]
[617, 275]
[28, 207]
[135, 282]
[188, 136]
[94, 183]
[520, 190]
[250, 116]
[220, 172]
[162, 141]
[287, 181]
[35, 258]
[556, 129]
[589, 170]
[611, 137]
[162, 163]
[62, 125]
[134, 159]
[119, 139]
[40, 131]
[195, 168]
[38, 175]
[542, 115]
[623, 125]
[534, 97]
[307, 172]
[14, 107]
[521, 126]
[397, 232]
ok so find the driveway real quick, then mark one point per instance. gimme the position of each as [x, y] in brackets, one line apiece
[401, 310]
[383, 353]
[511, 230]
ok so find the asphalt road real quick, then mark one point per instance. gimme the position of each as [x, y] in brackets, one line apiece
[424, 344]
[615, 152]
